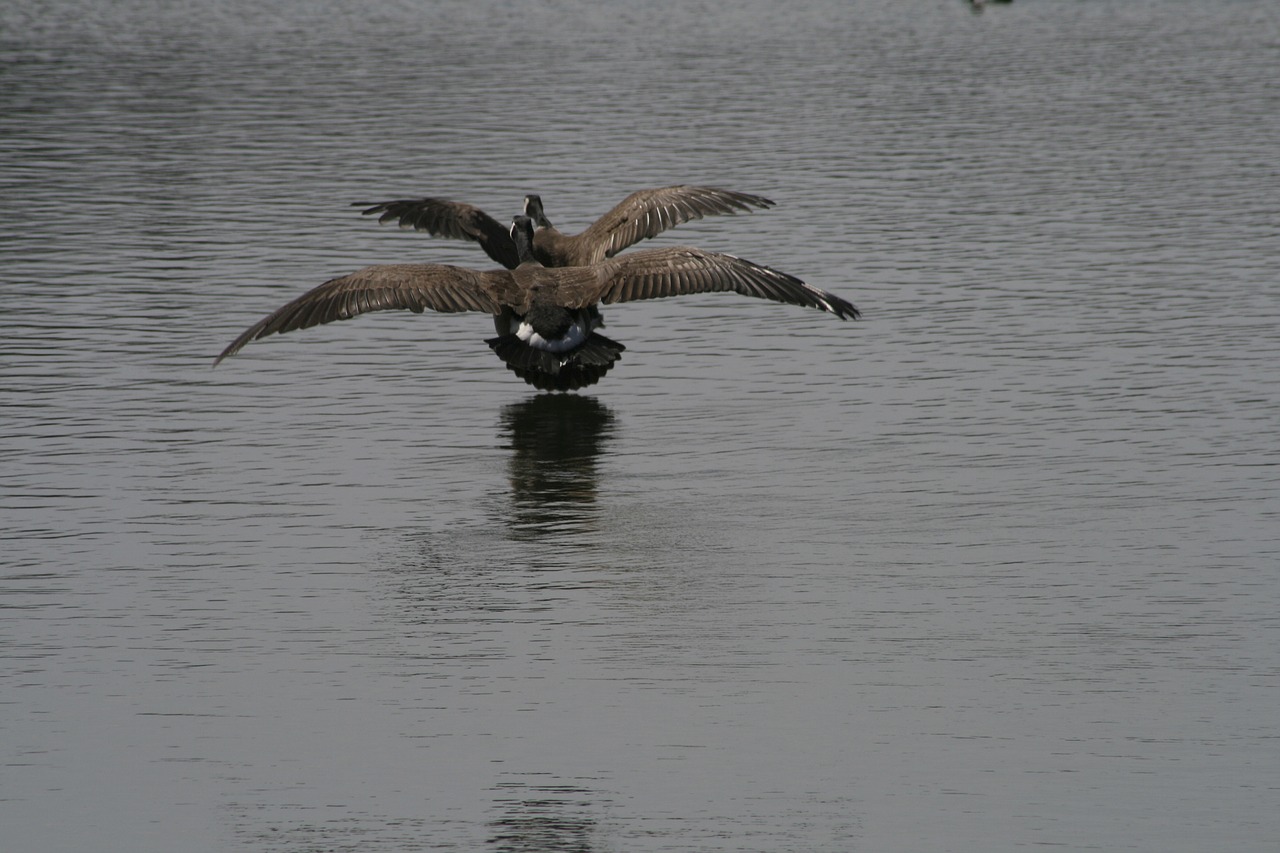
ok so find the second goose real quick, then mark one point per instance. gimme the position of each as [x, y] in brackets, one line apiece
[643, 214]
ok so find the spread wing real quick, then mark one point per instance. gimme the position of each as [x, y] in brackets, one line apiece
[681, 270]
[452, 219]
[646, 213]
[412, 287]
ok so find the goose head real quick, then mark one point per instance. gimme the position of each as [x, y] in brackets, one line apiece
[522, 236]
[533, 210]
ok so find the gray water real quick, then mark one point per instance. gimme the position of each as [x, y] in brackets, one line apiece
[993, 568]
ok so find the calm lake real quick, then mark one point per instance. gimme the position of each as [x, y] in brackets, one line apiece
[996, 567]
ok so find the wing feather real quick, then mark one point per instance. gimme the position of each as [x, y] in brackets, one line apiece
[681, 271]
[646, 213]
[452, 219]
[411, 287]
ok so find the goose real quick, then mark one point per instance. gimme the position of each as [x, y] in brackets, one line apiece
[545, 317]
[643, 214]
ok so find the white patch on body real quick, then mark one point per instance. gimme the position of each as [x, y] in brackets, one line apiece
[588, 320]
[574, 337]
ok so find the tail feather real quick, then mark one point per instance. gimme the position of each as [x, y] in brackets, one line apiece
[567, 371]
[598, 351]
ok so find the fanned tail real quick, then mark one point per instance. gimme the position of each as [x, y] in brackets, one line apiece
[566, 371]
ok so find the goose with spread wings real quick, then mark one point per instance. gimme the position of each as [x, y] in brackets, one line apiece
[545, 317]
[643, 214]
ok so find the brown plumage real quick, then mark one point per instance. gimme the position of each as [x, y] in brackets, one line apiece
[641, 215]
[545, 317]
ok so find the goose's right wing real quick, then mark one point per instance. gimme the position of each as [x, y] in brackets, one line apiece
[681, 270]
[453, 219]
[646, 213]
[411, 287]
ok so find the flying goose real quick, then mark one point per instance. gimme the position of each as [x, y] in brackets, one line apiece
[642, 214]
[545, 316]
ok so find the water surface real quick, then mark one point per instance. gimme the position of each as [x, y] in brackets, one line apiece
[992, 568]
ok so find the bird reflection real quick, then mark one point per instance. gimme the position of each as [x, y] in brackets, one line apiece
[542, 819]
[555, 440]
[978, 5]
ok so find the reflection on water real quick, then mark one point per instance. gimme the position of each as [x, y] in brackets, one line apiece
[555, 440]
[548, 818]
[978, 6]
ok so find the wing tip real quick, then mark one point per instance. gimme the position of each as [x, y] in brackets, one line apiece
[235, 346]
